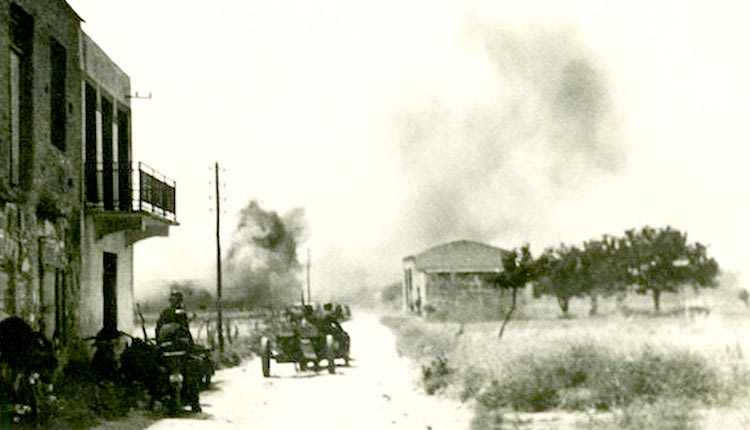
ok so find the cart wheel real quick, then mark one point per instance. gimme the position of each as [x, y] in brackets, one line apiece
[330, 354]
[265, 357]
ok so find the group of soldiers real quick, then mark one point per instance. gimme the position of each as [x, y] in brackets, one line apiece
[172, 334]
[325, 320]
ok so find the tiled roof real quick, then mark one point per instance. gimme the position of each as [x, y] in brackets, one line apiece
[460, 256]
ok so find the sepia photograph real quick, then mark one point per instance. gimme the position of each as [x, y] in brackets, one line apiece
[350, 214]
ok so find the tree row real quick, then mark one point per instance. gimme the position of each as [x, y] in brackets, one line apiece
[648, 261]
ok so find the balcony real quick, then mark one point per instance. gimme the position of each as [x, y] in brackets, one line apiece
[139, 201]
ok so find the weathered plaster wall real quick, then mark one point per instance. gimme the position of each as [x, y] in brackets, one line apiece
[92, 303]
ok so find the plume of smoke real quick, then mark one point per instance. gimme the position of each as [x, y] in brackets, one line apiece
[262, 264]
[499, 166]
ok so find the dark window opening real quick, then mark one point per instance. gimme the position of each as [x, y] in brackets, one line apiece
[57, 97]
[407, 285]
[92, 192]
[60, 333]
[19, 152]
[123, 157]
[7, 294]
[109, 285]
[108, 158]
[61, 316]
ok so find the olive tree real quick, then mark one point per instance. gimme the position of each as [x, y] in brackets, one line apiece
[518, 270]
[607, 272]
[560, 272]
[662, 261]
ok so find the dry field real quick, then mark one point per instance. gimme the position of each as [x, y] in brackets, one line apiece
[716, 343]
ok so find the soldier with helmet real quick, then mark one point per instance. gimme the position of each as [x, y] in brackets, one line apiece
[173, 334]
[172, 325]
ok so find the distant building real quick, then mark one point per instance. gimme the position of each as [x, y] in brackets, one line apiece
[448, 273]
[71, 202]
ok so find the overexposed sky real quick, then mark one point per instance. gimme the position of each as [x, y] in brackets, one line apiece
[399, 125]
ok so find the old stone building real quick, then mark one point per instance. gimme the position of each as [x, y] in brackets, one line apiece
[453, 274]
[71, 203]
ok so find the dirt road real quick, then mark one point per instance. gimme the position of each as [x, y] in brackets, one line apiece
[379, 391]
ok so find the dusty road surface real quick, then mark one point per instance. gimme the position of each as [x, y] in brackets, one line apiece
[379, 391]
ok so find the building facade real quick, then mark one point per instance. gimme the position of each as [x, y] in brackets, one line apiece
[72, 204]
[451, 274]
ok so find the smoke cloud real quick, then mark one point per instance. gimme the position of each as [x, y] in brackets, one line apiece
[496, 168]
[262, 264]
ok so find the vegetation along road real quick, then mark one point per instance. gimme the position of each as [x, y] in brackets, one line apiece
[378, 391]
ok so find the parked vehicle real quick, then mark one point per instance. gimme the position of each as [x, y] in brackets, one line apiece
[172, 374]
[306, 341]
[172, 369]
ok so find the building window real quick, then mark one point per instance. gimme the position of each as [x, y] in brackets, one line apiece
[109, 286]
[15, 115]
[123, 160]
[92, 190]
[7, 296]
[108, 159]
[21, 31]
[58, 67]
[61, 318]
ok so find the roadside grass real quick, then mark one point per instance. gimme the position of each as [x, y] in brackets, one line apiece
[587, 376]
[642, 371]
[667, 414]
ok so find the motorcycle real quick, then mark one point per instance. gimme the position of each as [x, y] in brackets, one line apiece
[183, 376]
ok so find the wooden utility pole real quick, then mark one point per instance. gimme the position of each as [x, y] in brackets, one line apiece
[219, 327]
[302, 295]
[309, 297]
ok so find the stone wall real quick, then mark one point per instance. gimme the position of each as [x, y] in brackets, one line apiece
[40, 215]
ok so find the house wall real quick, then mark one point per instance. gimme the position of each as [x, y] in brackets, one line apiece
[414, 287]
[98, 66]
[102, 74]
[92, 308]
[407, 283]
[421, 297]
[51, 260]
[51, 169]
[468, 296]
[40, 212]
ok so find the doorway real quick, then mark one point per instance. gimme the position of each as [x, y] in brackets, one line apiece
[109, 285]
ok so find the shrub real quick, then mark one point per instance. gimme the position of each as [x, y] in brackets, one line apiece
[585, 376]
[82, 402]
[437, 375]
[234, 352]
[486, 419]
[664, 414]
[471, 380]
[418, 339]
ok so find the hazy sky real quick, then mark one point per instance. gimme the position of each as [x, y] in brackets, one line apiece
[399, 125]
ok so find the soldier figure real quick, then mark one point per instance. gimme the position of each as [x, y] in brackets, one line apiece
[172, 325]
[173, 333]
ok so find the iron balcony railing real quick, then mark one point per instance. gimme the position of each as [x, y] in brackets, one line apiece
[120, 187]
